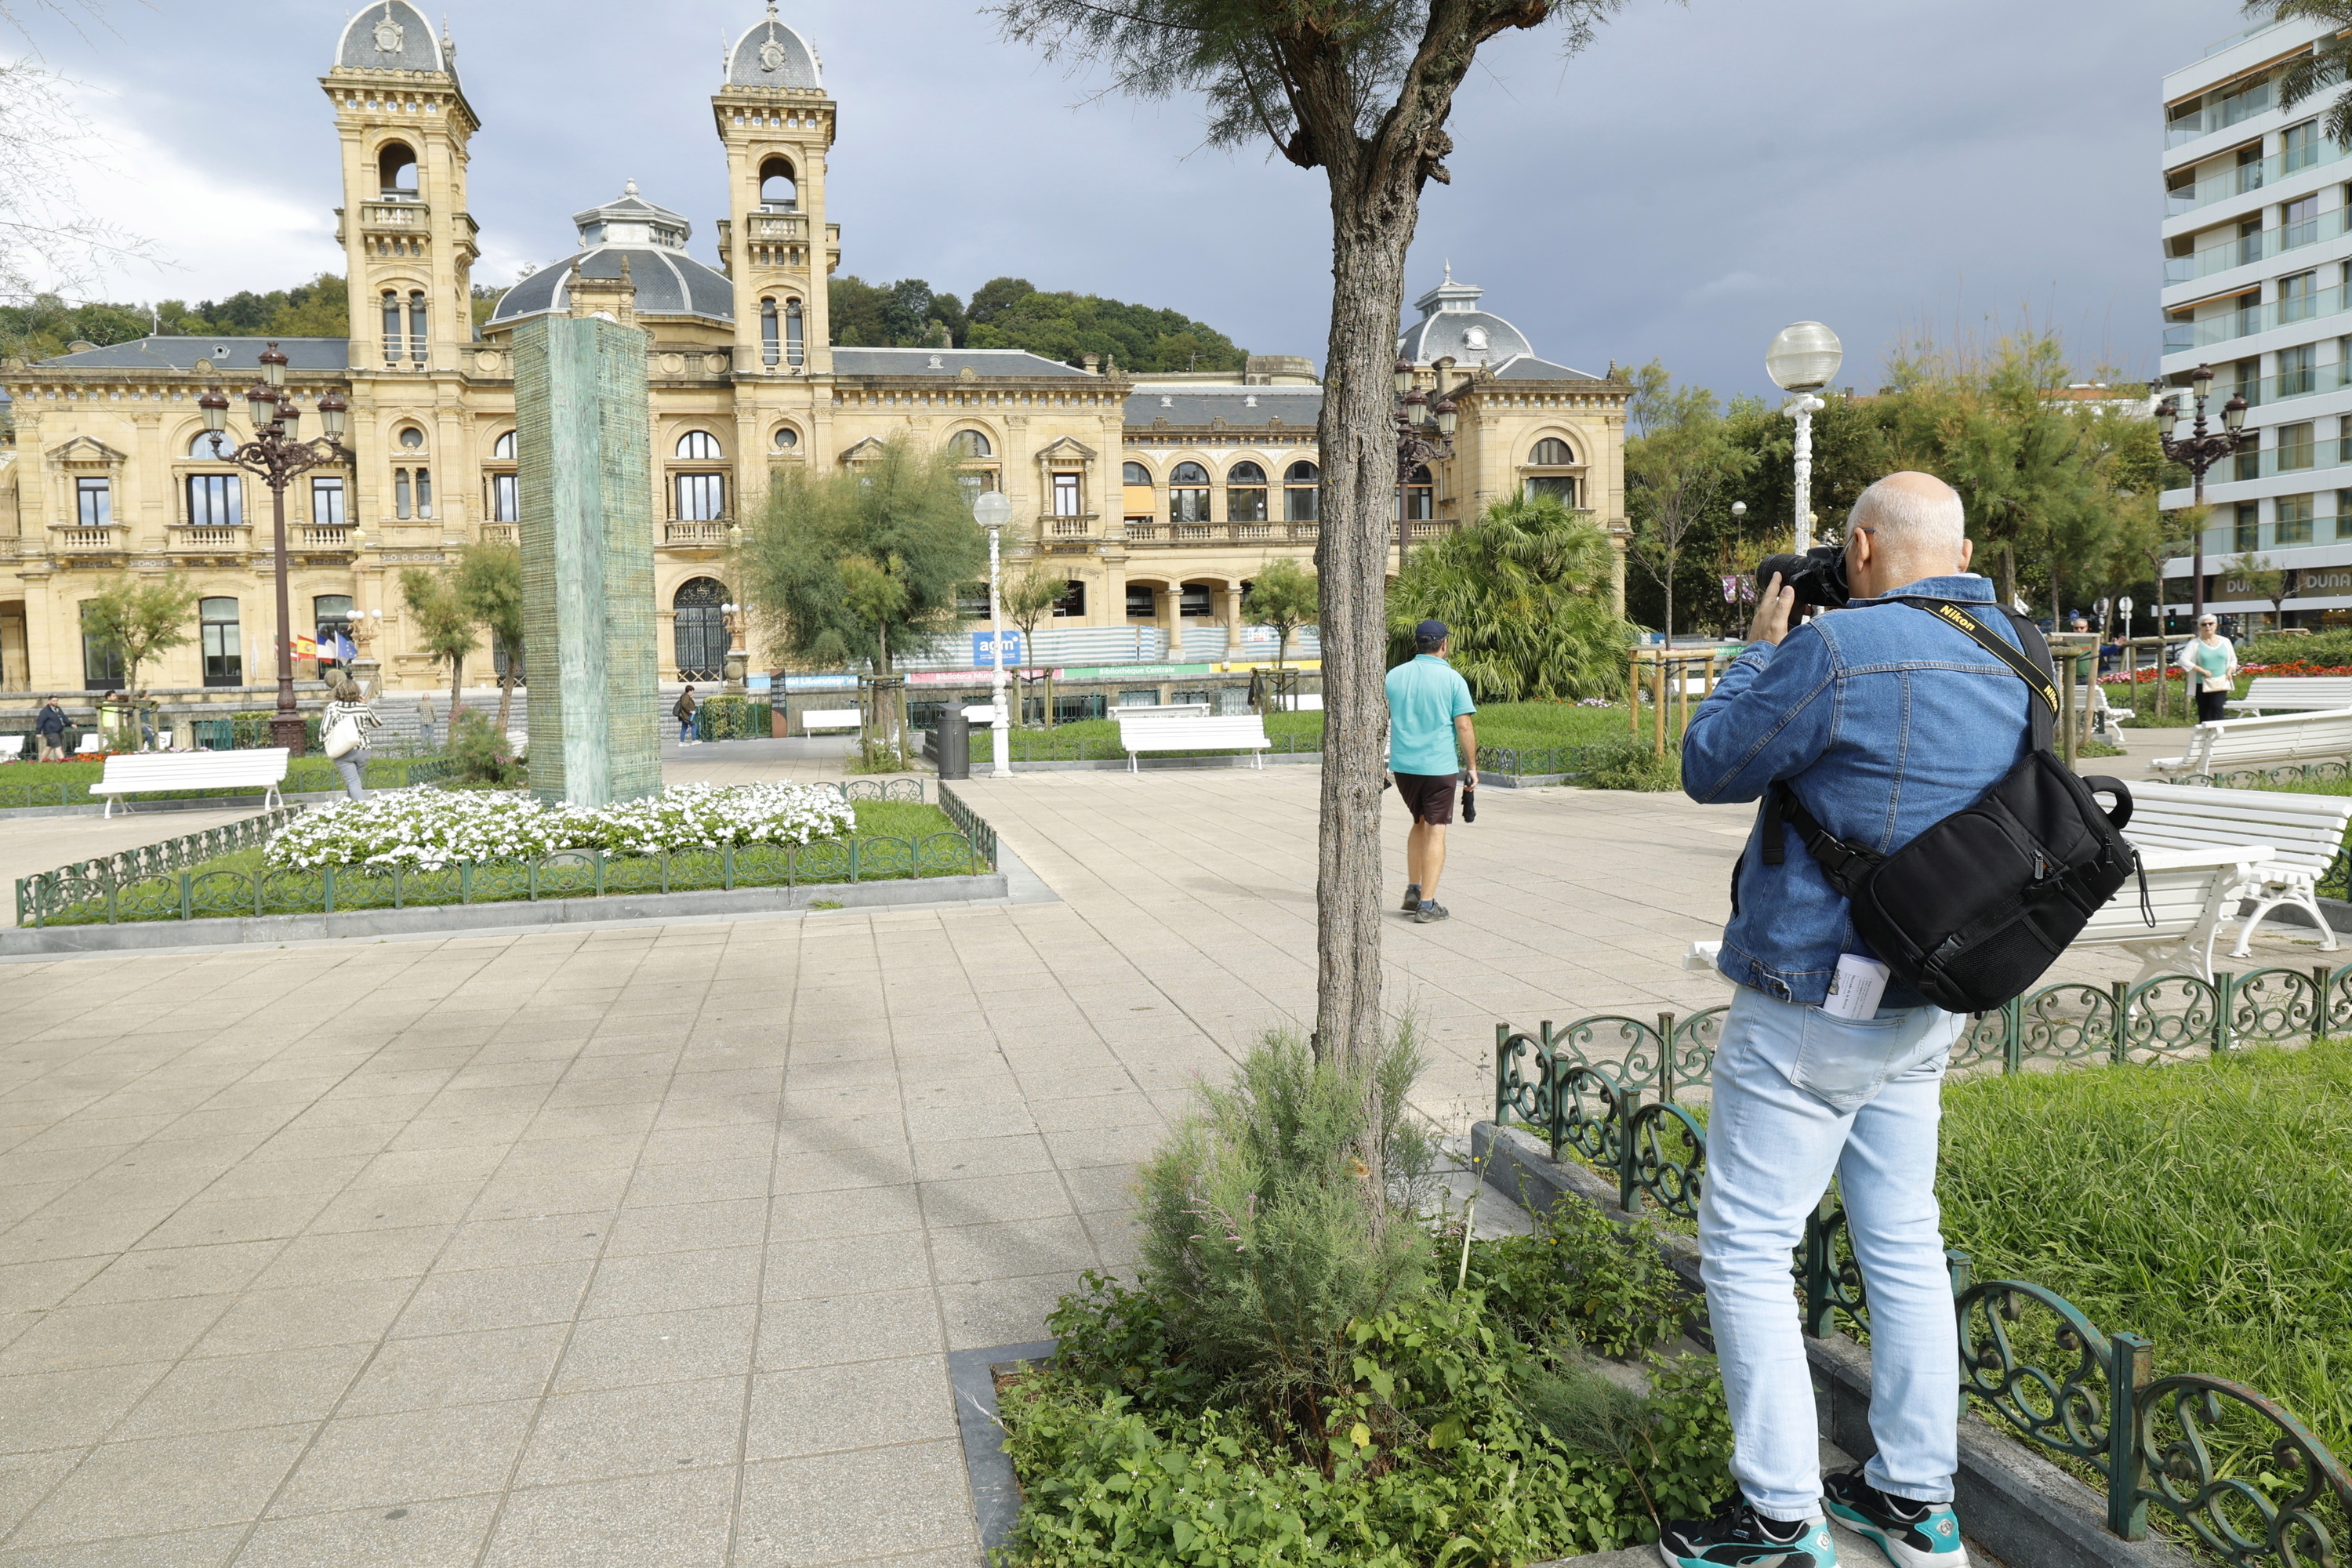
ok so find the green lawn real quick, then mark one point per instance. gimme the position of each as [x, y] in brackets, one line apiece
[2200, 1204]
[2179, 703]
[68, 784]
[1515, 725]
[894, 840]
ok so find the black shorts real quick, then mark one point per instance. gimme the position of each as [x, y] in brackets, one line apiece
[1429, 797]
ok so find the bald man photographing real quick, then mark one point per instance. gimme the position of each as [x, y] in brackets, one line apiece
[1879, 720]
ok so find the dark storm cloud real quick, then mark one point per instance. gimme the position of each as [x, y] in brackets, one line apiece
[1700, 177]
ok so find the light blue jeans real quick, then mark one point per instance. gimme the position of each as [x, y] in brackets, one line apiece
[1801, 1096]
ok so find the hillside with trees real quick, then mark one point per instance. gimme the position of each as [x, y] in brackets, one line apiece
[1012, 313]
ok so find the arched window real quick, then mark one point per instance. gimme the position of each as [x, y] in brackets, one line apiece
[794, 349]
[1420, 496]
[395, 341]
[1134, 474]
[1187, 493]
[697, 443]
[202, 447]
[1551, 452]
[971, 444]
[698, 628]
[771, 347]
[224, 648]
[779, 192]
[504, 446]
[1301, 501]
[396, 172]
[1245, 493]
[786, 438]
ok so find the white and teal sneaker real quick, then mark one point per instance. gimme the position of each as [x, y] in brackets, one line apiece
[1739, 1537]
[1911, 1535]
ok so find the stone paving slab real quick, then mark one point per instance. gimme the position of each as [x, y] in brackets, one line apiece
[648, 1244]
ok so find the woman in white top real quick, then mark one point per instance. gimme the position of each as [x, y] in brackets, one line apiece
[2211, 661]
[347, 706]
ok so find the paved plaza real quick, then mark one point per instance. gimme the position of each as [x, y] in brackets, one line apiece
[646, 1245]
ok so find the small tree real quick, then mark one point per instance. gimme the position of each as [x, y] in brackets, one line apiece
[489, 587]
[445, 627]
[1677, 467]
[1026, 600]
[1525, 590]
[137, 619]
[2264, 581]
[1284, 595]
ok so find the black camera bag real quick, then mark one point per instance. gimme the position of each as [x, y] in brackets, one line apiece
[1972, 911]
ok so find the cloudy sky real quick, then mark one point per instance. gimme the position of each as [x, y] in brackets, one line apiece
[1703, 175]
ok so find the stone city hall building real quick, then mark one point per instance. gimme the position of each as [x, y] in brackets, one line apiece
[1157, 498]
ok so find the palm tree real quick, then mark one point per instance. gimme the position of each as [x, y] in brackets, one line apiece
[1525, 590]
[2327, 63]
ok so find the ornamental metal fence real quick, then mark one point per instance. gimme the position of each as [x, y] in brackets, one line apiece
[2151, 1442]
[968, 823]
[159, 882]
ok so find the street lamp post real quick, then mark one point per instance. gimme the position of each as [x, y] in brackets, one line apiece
[276, 453]
[1803, 359]
[2197, 451]
[992, 511]
[1423, 435]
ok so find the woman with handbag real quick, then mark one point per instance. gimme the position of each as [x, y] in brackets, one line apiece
[2211, 661]
[344, 733]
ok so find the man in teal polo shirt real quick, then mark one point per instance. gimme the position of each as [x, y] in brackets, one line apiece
[1429, 710]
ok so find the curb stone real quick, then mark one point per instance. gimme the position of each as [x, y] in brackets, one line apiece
[995, 1494]
[2023, 1508]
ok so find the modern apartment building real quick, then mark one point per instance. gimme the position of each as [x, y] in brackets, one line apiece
[2258, 284]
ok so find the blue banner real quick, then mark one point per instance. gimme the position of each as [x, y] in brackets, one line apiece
[983, 653]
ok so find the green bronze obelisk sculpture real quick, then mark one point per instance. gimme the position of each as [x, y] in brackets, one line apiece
[583, 456]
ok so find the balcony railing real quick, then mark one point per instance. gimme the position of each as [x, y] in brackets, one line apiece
[705, 532]
[205, 536]
[333, 536]
[405, 215]
[2181, 337]
[1176, 534]
[77, 538]
[777, 225]
[405, 350]
[2245, 177]
[2272, 389]
[2219, 116]
[2244, 250]
[1068, 525]
[503, 533]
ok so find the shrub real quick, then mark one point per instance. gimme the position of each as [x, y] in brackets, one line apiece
[2326, 648]
[479, 749]
[1624, 762]
[1579, 1277]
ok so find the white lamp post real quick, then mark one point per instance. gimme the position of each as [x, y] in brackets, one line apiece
[1804, 359]
[992, 511]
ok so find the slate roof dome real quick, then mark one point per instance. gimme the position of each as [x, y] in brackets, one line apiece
[1453, 325]
[390, 36]
[771, 54]
[669, 282]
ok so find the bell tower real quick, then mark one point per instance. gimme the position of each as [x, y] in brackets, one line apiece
[777, 125]
[408, 241]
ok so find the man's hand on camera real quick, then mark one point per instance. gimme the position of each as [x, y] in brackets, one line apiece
[1773, 609]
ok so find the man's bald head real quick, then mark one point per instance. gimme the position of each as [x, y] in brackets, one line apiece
[1905, 526]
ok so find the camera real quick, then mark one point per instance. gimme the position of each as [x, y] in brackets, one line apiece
[1818, 576]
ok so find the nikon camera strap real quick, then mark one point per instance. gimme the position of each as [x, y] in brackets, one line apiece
[1845, 865]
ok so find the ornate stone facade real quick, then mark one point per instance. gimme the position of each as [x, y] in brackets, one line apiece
[1159, 497]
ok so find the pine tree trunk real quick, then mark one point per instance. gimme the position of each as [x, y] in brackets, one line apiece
[456, 687]
[506, 695]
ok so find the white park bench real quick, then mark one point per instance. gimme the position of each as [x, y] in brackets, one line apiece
[2305, 833]
[1234, 731]
[2190, 891]
[2295, 694]
[1161, 711]
[2227, 745]
[147, 773]
[11, 748]
[2105, 717]
[92, 741]
[830, 721]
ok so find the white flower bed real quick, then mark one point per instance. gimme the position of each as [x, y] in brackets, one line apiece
[429, 829]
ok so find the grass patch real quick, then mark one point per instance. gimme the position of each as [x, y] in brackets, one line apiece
[2202, 1204]
[68, 784]
[224, 885]
[1516, 725]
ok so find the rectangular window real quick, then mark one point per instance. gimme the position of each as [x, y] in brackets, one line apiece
[400, 493]
[93, 503]
[224, 650]
[2298, 297]
[1196, 602]
[2297, 447]
[1072, 605]
[1562, 486]
[701, 498]
[2250, 168]
[416, 337]
[327, 504]
[1302, 503]
[1142, 602]
[2298, 370]
[2250, 241]
[503, 499]
[214, 501]
[331, 614]
[2249, 526]
[2299, 147]
[2344, 514]
[101, 663]
[2298, 223]
[2249, 464]
[424, 492]
[1068, 499]
[1245, 503]
[971, 601]
[1188, 504]
[2294, 520]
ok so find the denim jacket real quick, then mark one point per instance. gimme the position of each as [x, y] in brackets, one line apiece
[1884, 720]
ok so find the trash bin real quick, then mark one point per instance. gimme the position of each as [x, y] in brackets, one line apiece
[954, 740]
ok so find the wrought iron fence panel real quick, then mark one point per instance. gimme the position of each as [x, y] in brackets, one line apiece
[219, 893]
[826, 860]
[1828, 1279]
[2284, 1514]
[883, 857]
[1635, 1051]
[492, 881]
[1523, 1080]
[939, 854]
[1990, 1039]
[2066, 1022]
[1586, 1114]
[1690, 1051]
[972, 825]
[2271, 1004]
[882, 789]
[2173, 1018]
[1664, 1149]
[2066, 1409]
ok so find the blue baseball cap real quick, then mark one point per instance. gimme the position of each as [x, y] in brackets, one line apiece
[1429, 633]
